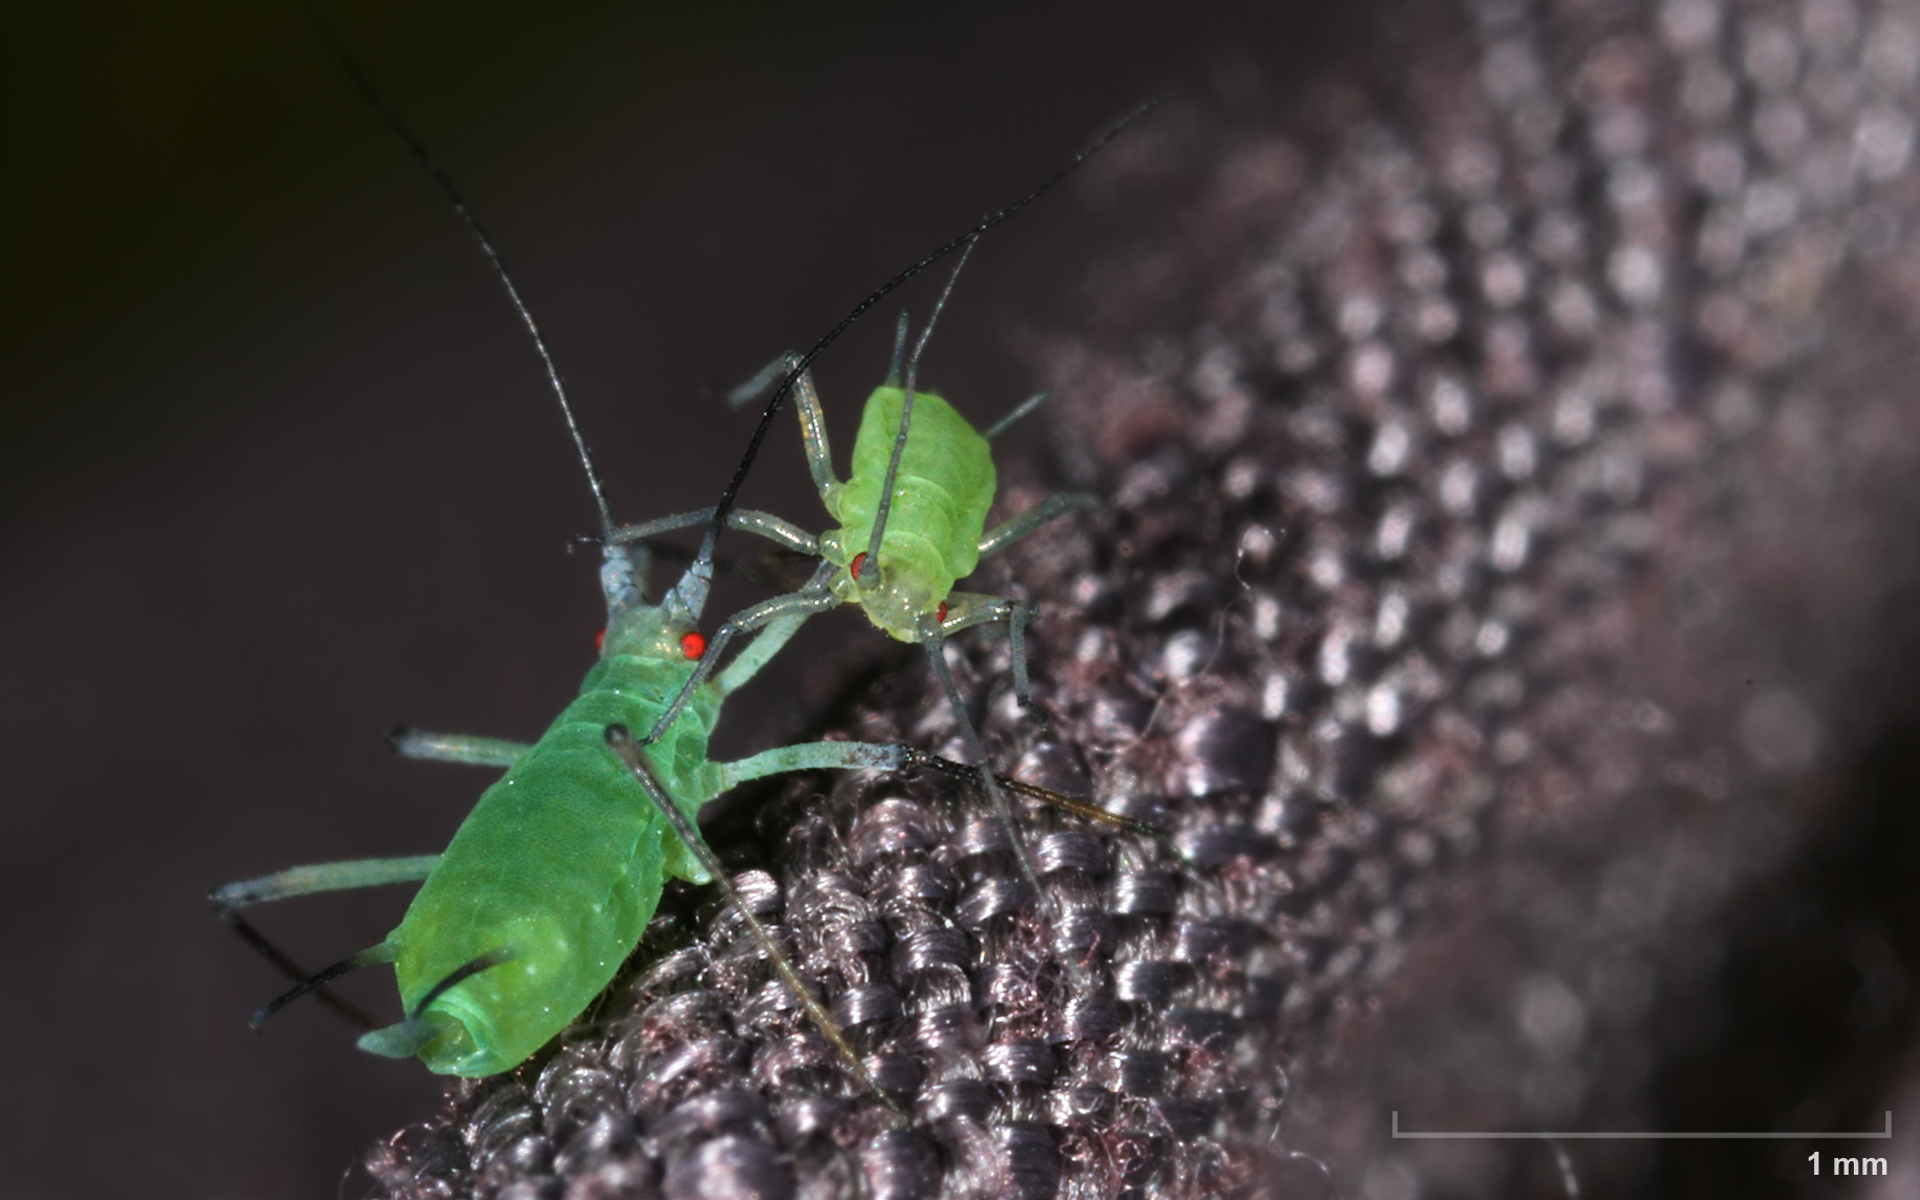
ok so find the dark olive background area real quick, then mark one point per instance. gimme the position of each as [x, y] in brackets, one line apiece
[277, 469]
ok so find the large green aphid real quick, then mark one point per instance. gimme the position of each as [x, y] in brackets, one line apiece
[918, 495]
[550, 882]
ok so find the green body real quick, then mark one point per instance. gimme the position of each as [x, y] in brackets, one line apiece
[941, 496]
[560, 865]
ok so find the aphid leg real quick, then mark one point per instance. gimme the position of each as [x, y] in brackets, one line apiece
[783, 533]
[813, 432]
[320, 877]
[455, 747]
[1020, 524]
[1086, 809]
[345, 1009]
[963, 241]
[813, 421]
[747, 663]
[900, 342]
[1020, 410]
[1017, 618]
[229, 898]
[814, 756]
[623, 745]
[763, 380]
[812, 598]
[935, 644]
[967, 609]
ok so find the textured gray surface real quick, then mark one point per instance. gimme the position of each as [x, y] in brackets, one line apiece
[1510, 470]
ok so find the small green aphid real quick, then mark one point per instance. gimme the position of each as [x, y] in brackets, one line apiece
[913, 513]
[913, 519]
[549, 883]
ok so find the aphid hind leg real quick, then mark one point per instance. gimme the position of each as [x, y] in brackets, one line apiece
[465, 749]
[812, 598]
[384, 952]
[1020, 524]
[623, 745]
[229, 898]
[762, 381]
[320, 877]
[813, 433]
[935, 644]
[967, 609]
[813, 756]
[806, 399]
[914, 758]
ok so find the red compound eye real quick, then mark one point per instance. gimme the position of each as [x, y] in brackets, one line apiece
[599, 640]
[859, 560]
[942, 614]
[693, 645]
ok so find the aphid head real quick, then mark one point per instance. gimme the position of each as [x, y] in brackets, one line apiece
[894, 593]
[662, 632]
[647, 631]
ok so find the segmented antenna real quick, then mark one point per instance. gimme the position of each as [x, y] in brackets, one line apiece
[727, 501]
[499, 265]
[885, 508]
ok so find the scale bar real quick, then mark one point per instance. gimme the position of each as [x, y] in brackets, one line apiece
[1584, 1135]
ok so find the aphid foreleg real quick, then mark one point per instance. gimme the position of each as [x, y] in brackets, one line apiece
[748, 662]
[623, 745]
[768, 614]
[462, 748]
[967, 609]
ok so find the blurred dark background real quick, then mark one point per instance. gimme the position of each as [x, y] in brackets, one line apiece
[278, 470]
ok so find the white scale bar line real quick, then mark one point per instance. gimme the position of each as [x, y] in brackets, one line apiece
[1591, 1136]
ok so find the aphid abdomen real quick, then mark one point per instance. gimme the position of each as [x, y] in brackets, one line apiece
[941, 496]
[560, 866]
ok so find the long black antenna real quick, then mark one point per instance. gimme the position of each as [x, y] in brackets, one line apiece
[726, 505]
[499, 265]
